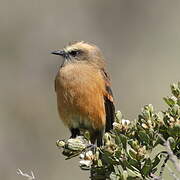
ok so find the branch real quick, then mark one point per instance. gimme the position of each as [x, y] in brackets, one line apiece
[30, 177]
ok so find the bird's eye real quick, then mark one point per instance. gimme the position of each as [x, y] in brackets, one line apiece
[74, 53]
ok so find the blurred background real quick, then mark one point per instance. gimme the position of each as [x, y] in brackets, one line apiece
[140, 40]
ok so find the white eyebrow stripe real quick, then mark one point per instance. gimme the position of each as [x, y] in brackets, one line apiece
[69, 49]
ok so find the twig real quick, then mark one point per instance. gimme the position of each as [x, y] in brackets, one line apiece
[30, 177]
[154, 177]
[172, 173]
[163, 166]
[172, 157]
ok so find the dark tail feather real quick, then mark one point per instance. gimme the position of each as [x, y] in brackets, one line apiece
[110, 114]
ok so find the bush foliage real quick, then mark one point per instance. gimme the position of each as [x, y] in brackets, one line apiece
[128, 148]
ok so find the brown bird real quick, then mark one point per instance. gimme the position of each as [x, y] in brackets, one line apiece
[84, 96]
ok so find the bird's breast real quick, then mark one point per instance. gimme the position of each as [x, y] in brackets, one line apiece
[80, 99]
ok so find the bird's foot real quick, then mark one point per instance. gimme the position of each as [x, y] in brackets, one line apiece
[91, 147]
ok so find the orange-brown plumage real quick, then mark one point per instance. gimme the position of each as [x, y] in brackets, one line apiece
[83, 91]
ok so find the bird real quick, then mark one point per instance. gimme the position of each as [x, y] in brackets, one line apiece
[83, 89]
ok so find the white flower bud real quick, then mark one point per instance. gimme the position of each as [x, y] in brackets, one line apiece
[86, 163]
[125, 122]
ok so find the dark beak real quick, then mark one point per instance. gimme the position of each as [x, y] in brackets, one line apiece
[58, 52]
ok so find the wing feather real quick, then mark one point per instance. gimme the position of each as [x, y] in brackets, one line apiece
[109, 103]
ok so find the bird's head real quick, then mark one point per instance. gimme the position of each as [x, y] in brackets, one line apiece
[81, 52]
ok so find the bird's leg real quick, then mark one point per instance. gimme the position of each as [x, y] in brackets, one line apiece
[91, 147]
[74, 132]
[96, 135]
[99, 138]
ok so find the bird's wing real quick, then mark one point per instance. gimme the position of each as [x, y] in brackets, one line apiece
[108, 101]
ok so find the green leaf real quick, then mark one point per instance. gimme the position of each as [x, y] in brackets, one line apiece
[156, 160]
[146, 114]
[118, 140]
[123, 139]
[116, 170]
[151, 108]
[129, 166]
[175, 90]
[169, 101]
[176, 130]
[147, 167]
[125, 175]
[87, 135]
[140, 117]
[133, 153]
[172, 142]
[133, 174]
[113, 176]
[144, 137]
[139, 127]
[134, 163]
[118, 153]
[118, 116]
[166, 119]
[178, 101]
[158, 141]
[108, 158]
[160, 116]
[134, 144]
[175, 110]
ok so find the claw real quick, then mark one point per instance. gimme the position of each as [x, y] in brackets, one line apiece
[91, 147]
